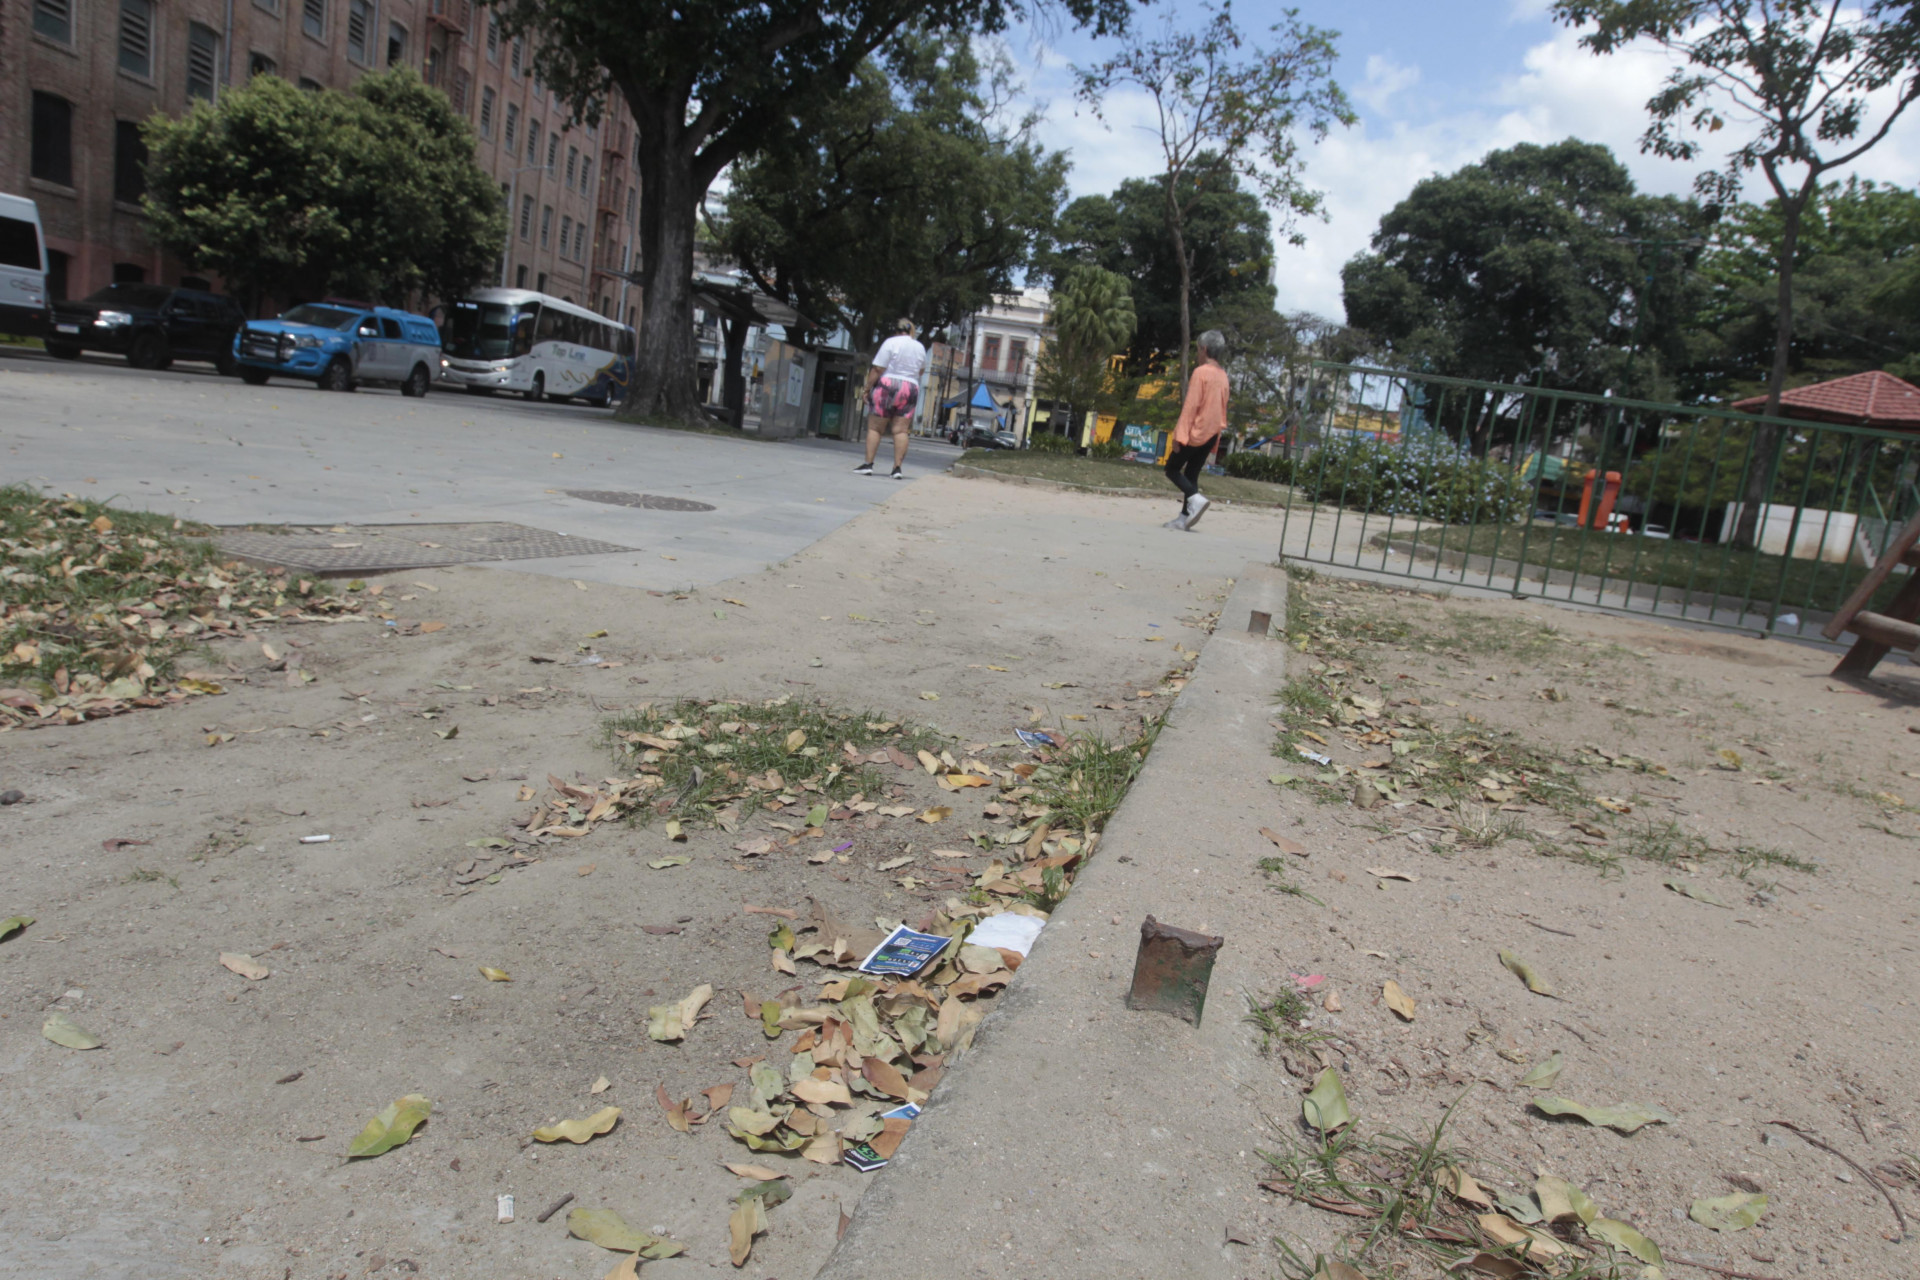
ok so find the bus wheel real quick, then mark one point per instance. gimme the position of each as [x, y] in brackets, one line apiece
[538, 391]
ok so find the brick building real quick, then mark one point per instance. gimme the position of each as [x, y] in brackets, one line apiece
[78, 76]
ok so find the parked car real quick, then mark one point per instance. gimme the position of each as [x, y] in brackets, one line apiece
[23, 269]
[150, 324]
[340, 345]
[1006, 439]
[984, 438]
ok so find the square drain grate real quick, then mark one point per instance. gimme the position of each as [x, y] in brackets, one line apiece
[381, 548]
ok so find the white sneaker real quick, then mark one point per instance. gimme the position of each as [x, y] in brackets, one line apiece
[1177, 523]
[1196, 507]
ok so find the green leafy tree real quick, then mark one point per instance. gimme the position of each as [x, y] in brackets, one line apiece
[1518, 269]
[1854, 271]
[1225, 105]
[708, 84]
[1812, 85]
[1270, 361]
[900, 197]
[1092, 320]
[1228, 253]
[374, 192]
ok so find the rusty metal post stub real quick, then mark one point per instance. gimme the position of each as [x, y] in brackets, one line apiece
[1171, 972]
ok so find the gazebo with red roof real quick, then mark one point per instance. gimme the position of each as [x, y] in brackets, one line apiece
[1872, 399]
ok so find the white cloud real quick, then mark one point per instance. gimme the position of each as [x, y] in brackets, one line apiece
[1384, 79]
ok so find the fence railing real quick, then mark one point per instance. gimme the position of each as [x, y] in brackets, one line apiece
[1620, 504]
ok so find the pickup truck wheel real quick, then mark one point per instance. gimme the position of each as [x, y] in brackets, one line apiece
[417, 382]
[337, 377]
[149, 351]
[253, 377]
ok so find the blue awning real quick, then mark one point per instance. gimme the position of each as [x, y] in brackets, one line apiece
[981, 400]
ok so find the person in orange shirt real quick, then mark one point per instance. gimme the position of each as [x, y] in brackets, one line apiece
[1202, 418]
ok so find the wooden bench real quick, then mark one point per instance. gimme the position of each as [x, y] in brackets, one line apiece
[1878, 634]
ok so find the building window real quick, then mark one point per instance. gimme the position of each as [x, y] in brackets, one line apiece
[533, 142]
[990, 353]
[259, 64]
[553, 149]
[52, 139]
[493, 37]
[129, 162]
[54, 20]
[520, 276]
[633, 194]
[359, 31]
[573, 161]
[1016, 356]
[271, 6]
[513, 58]
[203, 60]
[541, 286]
[136, 38]
[546, 225]
[526, 217]
[580, 242]
[586, 176]
[396, 44]
[313, 18]
[511, 135]
[486, 112]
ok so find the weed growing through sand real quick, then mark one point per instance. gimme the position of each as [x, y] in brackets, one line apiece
[719, 742]
[1280, 876]
[1086, 779]
[1665, 842]
[147, 875]
[1278, 1018]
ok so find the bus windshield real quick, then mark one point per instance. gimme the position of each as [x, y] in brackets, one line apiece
[490, 330]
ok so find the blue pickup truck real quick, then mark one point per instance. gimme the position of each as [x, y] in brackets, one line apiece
[341, 345]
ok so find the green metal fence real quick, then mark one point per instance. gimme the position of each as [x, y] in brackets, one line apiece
[1620, 504]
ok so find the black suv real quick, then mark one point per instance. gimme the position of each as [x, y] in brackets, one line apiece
[149, 324]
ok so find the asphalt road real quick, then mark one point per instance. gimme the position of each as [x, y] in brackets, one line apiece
[194, 444]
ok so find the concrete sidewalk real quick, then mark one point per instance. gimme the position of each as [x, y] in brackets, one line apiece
[1081, 1138]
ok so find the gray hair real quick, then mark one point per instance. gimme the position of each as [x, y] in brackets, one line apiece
[1214, 344]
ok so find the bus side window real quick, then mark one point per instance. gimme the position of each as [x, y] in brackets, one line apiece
[523, 329]
[551, 326]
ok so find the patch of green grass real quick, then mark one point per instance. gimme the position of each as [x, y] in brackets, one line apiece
[1665, 842]
[1278, 1018]
[146, 875]
[721, 742]
[1085, 781]
[1306, 695]
[1053, 889]
[1748, 858]
[1099, 473]
[1280, 876]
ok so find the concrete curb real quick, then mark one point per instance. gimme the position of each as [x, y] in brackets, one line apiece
[1080, 1138]
[970, 472]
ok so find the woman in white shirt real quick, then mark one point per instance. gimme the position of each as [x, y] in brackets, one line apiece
[892, 392]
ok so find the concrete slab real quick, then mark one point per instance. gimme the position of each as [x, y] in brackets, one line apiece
[1083, 1139]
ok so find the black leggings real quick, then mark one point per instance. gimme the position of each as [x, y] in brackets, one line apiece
[1183, 468]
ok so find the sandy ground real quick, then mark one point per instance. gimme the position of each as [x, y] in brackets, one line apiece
[172, 1151]
[1792, 1002]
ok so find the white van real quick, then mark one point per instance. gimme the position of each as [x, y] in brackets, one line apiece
[23, 268]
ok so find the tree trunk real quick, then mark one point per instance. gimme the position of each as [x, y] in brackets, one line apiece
[1767, 438]
[733, 384]
[1186, 290]
[664, 374]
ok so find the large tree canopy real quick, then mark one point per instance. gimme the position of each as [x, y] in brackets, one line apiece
[373, 192]
[900, 197]
[1520, 269]
[709, 83]
[1229, 242]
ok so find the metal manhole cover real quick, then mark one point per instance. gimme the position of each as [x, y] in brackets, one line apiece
[648, 501]
[382, 548]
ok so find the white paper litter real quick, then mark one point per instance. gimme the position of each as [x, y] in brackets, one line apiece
[1007, 931]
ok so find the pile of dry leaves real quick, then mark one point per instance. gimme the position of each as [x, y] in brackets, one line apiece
[97, 605]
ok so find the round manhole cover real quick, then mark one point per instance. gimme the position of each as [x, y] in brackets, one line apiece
[649, 501]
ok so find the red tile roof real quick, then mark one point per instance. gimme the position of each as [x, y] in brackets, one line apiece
[1872, 399]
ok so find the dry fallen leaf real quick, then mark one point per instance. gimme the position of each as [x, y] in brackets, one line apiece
[1387, 873]
[1623, 1117]
[495, 975]
[392, 1127]
[600, 1085]
[673, 1021]
[755, 1172]
[1526, 973]
[1283, 844]
[939, 813]
[1397, 1000]
[578, 1131]
[1458, 1183]
[244, 965]
[63, 1031]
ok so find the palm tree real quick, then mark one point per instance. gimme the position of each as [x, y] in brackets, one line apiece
[1092, 318]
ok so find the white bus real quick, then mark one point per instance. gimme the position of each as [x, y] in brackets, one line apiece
[536, 345]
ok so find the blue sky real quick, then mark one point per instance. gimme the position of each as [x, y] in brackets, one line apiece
[1436, 85]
